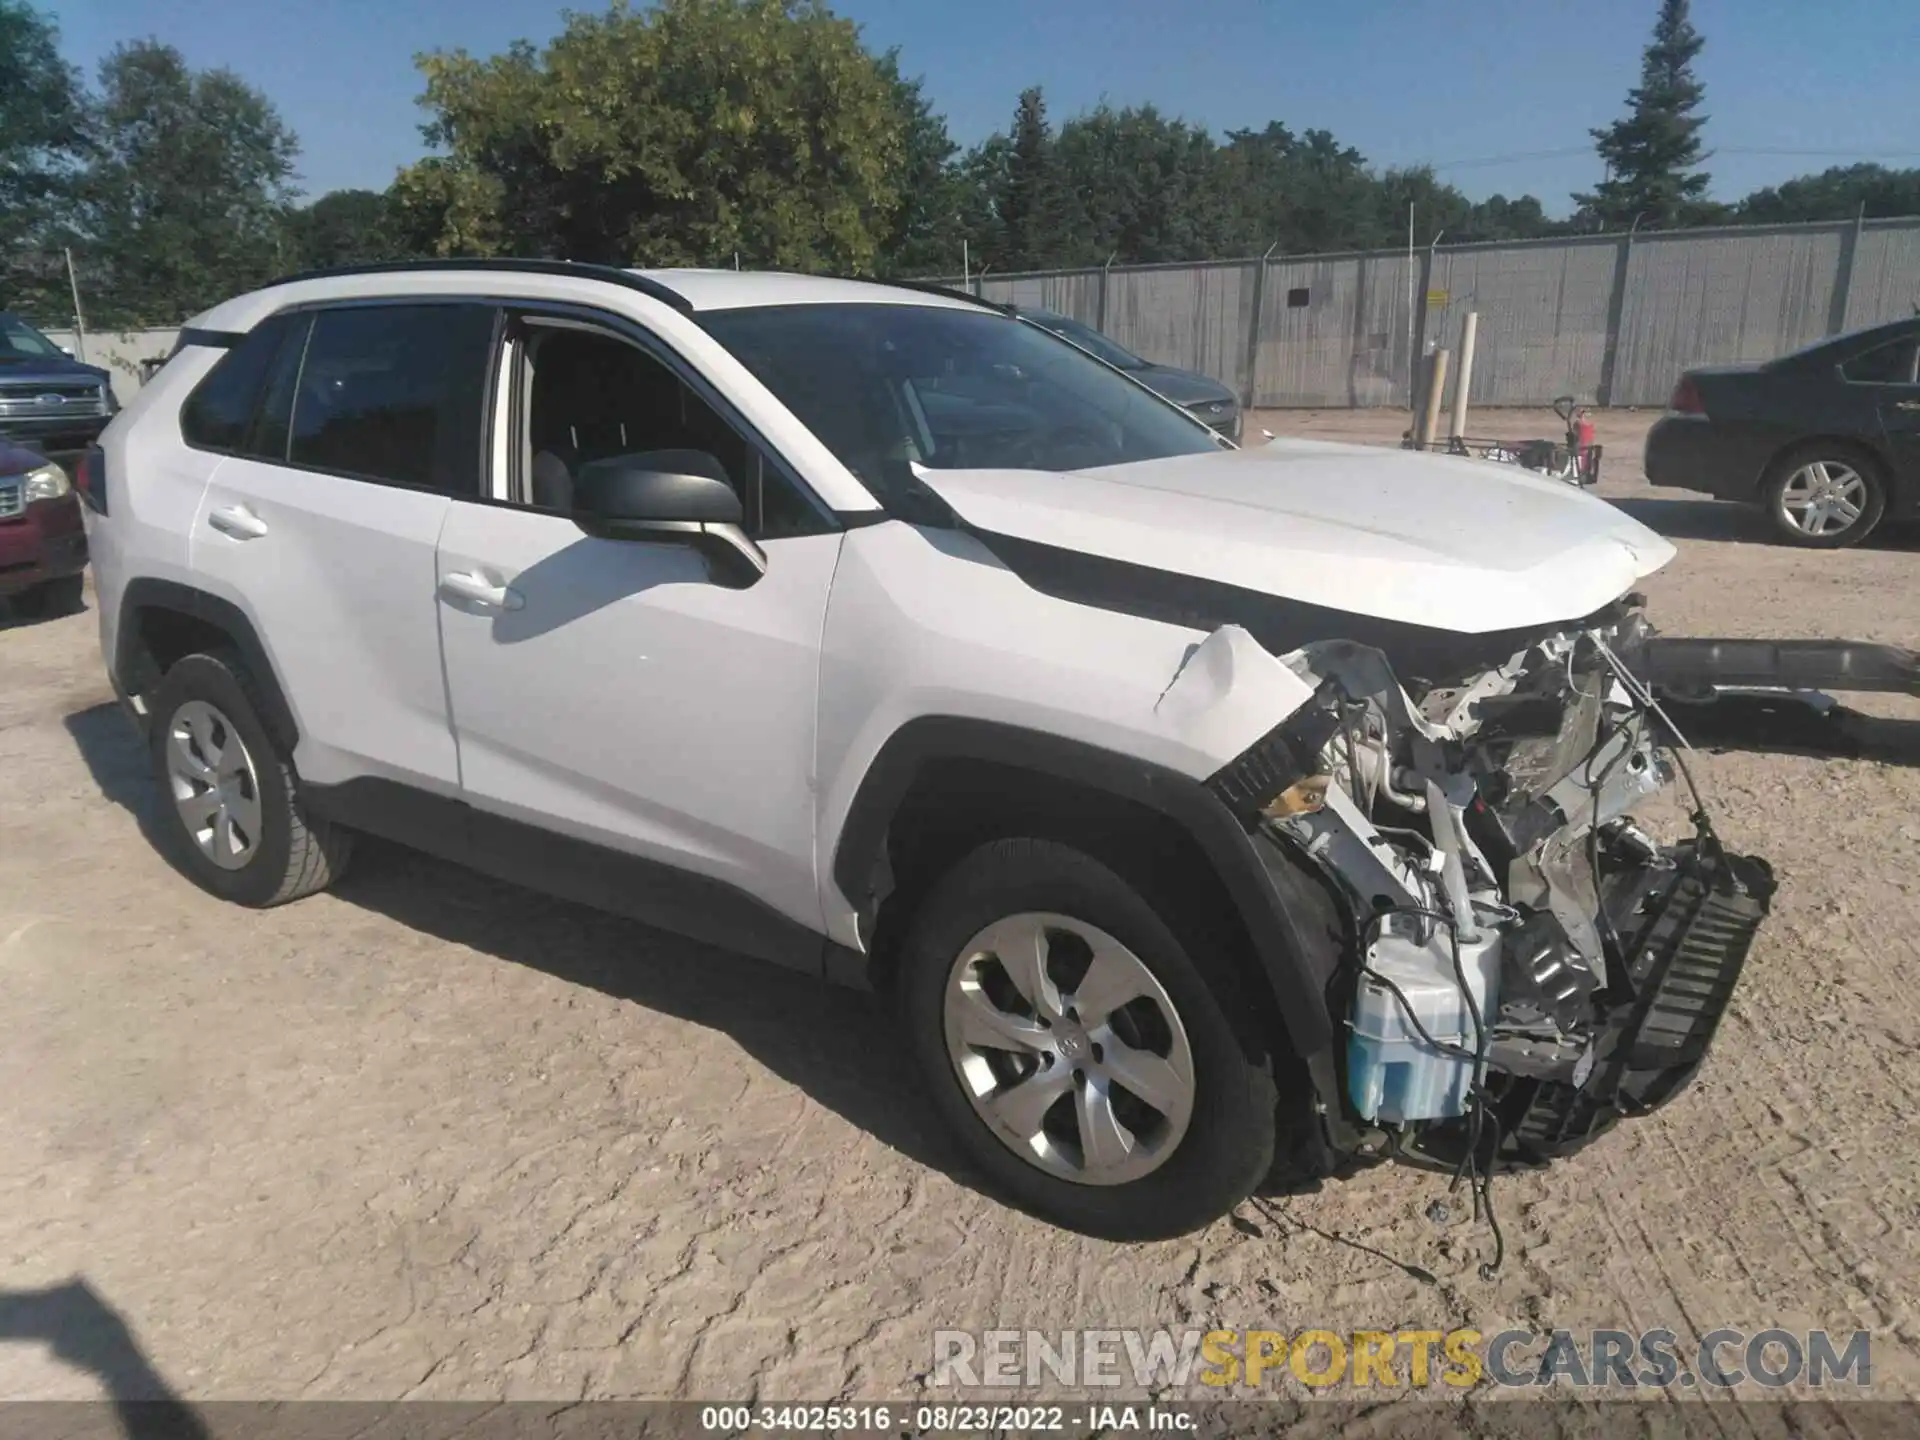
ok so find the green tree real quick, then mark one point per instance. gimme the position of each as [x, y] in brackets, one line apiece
[185, 203]
[981, 179]
[1652, 152]
[342, 227]
[1036, 229]
[925, 232]
[1836, 194]
[1298, 193]
[43, 142]
[1140, 186]
[685, 134]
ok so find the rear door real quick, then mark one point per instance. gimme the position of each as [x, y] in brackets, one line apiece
[322, 527]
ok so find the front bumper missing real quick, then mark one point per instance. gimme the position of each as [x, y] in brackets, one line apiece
[1685, 926]
[1768, 696]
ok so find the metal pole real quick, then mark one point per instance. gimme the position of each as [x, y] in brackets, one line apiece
[1100, 324]
[79, 318]
[1436, 387]
[1413, 355]
[966, 267]
[1252, 395]
[1469, 327]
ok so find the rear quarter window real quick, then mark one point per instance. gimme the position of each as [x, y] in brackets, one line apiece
[219, 413]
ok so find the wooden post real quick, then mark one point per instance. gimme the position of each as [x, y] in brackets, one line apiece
[1468, 328]
[1436, 387]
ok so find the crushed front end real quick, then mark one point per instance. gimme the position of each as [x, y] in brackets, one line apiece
[1522, 963]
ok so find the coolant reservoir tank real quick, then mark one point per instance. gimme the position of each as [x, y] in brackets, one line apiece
[1392, 1074]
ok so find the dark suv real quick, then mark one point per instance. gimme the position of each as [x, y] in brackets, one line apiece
[49, 401]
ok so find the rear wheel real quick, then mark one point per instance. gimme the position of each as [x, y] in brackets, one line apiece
[234, 821]
[1079, 1051]
[1825, 495]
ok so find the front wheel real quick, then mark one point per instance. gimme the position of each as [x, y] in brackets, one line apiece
[1824, 496]
[1082, 1055]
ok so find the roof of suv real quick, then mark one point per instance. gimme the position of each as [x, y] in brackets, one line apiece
[685, 290]
[743, 289]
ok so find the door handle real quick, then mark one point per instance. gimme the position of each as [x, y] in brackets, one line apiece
[1906, 404]
[478, 590]
[237, 521]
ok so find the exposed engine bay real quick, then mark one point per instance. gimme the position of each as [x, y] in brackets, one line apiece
[1525, 963]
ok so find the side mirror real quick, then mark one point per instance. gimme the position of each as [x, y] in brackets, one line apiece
[673, 497]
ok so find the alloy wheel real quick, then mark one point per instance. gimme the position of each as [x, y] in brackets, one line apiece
[1824, 498]
[1069, 1049]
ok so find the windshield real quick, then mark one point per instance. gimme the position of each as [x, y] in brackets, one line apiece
[20, 341]
[1088, 338]
[886, 386]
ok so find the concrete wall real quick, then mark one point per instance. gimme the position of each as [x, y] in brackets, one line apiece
[119, 352]
[1610, 319]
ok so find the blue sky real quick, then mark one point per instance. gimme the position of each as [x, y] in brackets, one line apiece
[1403, 80]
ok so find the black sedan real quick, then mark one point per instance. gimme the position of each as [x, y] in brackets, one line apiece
[1827, 438]
[1207, 400]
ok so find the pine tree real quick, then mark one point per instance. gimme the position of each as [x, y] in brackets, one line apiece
[1651, 152]
[1034, 220]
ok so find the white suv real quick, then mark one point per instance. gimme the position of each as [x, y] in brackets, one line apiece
[1214, 815]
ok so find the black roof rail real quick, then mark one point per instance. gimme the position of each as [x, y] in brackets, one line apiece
[611, 274]
[927, 287]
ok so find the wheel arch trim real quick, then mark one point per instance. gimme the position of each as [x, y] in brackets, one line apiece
[860, 848]
[135, 670]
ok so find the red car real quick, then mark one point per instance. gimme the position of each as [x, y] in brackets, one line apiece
[43, 546]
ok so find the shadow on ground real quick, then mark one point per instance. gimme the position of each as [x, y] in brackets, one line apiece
[839, 1046]
[12, 617]
[1702, 519]
[85, 1332]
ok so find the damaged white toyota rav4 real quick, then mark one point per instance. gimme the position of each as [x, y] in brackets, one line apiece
[1208, 814]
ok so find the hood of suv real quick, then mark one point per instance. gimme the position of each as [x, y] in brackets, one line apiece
[1426, 540]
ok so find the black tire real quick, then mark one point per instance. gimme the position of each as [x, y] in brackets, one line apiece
[1228, 1146]
[51, 599]
[1788, 462]
[296, 854]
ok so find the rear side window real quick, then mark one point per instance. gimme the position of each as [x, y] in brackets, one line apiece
[219, 412]
[394, 393]
[1890, 364]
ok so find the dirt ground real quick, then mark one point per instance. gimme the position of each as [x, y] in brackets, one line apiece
[433, 1136]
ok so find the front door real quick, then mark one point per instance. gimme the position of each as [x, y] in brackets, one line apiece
[1899, 404]
[609, 690]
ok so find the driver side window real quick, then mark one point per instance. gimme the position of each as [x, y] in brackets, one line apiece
[588, 395]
